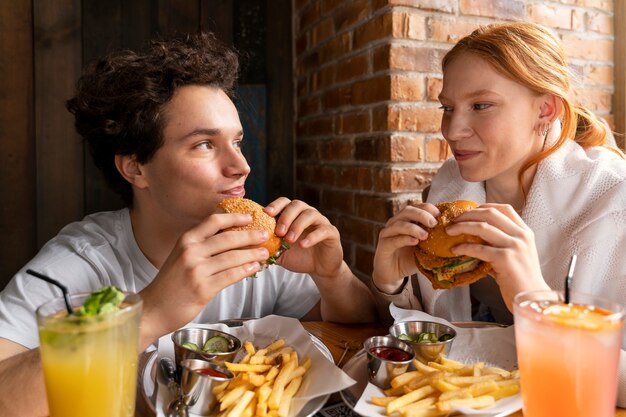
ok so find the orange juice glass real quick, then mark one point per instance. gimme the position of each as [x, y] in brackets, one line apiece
[568, 354]
[90, 363]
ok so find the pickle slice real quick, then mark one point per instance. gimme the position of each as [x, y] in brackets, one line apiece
[216, 344]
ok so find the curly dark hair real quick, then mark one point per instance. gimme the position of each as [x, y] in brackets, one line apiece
[120, 97]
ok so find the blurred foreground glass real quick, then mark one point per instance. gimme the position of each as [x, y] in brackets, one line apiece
[90, 363]
[568, 354]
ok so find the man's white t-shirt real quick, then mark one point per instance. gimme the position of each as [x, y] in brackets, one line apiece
[101, 250]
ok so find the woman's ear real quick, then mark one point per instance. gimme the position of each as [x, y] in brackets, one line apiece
[550, 108]
[130, 169]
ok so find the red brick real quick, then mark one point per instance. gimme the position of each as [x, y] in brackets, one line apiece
[445, 6]
[433, 88]
[356, 122]
[380, 58]
[498, 9]
[414, 119]
[604, 75]
[337, 97]
[408, 179]
[358, 230]
[354, 67]
[336, 149]
[378, 28]
[449, 29]
[424, 59]
[586, 48]
[380, 119]
[373, 207]
[372, 148]
[309, 105]
[351, 13]
[354, 177]
[338, 200]
[302, 44]
[408, 26]
[364, 260]
[302, 86]
[437, 150]
[330, 5]
[308, 194]
[307, 149]
[596, 100]
[322, 31]
[551, 15]
[336, 48]
[406, 148]
[599, 22]
[320, 126]
[405, 88]
[371, 90]
[309, 15]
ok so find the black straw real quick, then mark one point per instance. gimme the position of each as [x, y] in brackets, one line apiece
[568, 278]
[66, 295]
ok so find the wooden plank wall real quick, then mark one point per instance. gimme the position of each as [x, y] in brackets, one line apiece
[17, 150]
[47, 178]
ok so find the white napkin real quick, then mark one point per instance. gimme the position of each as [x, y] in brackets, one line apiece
[321, 379]
[493, 345]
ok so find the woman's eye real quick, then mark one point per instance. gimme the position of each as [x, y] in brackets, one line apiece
[445, 108]
[481, 106]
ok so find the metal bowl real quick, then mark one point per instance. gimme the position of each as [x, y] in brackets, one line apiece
[424, 351]
[199, 336]
[381, 369]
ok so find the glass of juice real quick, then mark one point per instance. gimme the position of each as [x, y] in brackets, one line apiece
[90, 362]
[568, 354]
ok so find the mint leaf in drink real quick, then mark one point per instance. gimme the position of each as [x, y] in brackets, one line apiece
[100, 302]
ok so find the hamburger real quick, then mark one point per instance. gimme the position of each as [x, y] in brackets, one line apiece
[435, 259]
[260, 221]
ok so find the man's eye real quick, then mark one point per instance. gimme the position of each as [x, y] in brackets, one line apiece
[204, 145]
[481, 106]
[238, 143]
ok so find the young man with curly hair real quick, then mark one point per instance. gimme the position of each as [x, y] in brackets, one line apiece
[162, 127]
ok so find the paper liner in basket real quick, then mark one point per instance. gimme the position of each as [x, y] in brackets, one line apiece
[321, 379]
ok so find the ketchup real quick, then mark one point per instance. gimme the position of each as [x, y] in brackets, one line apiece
[390, 353]
[211, 372]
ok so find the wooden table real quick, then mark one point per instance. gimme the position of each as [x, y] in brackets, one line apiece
[343, 341]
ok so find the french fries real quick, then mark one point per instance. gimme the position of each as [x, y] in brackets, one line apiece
[265, 381]
[436, 388]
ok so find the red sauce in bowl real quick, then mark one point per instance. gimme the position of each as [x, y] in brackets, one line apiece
[390, 353]
[211, 372]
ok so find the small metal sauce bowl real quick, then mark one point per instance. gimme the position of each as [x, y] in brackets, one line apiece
[199, 336]
[197, 388]
[381, 371]
[425, 351]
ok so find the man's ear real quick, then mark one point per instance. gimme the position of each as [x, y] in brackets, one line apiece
[130, 169]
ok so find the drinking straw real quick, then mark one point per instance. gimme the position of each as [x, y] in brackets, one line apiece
[568, 278]
[66, 295]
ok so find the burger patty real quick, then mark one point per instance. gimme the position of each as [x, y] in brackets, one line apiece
[444, 269]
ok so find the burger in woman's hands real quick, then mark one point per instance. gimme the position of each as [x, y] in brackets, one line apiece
[260, 221]
[436, 261]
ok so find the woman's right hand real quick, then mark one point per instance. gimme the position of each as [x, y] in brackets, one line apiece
[394, 257]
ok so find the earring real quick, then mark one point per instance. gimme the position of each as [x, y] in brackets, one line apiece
[543, 129]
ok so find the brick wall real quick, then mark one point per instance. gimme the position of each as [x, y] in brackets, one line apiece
[367, 74]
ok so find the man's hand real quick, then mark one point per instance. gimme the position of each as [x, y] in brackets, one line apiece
[204, 261]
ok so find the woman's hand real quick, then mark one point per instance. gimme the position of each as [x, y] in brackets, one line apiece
[315, 246]
[511, 249]
[394, 257]
[202, 263]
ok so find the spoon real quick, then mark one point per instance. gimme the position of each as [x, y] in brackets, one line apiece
[177, 407]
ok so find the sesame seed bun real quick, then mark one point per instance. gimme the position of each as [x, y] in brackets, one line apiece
[435, 259]
[260, 221]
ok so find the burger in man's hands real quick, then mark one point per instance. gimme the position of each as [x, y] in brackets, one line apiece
[436, 261]
[260, 221]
